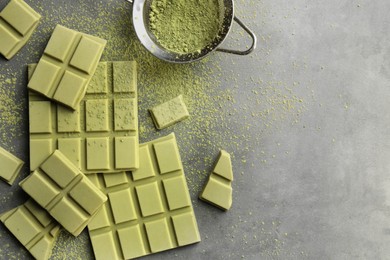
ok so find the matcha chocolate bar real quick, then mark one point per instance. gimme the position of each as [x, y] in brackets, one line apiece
[169, 113]
[10, 166]
[33, 227]
[101, 135]
[67, 65]
[65, 192]
[148, 210]
[218, 190]
[18, 21]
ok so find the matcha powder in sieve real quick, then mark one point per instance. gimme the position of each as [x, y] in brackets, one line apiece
[185, 26]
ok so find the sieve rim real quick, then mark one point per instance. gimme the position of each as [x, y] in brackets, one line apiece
[140, 23]
[140, 17]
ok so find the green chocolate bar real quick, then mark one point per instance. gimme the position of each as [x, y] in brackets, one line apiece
[33, 227]
[101, 135]
[148, 210]
[67, 65]
[18, 21]
[64, 192]
[169, 113]
[218, 190]
[10, 166]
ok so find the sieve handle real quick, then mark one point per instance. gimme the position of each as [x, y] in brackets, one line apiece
[251, 34]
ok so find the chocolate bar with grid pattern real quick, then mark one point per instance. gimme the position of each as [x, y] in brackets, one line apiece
[18, 21]
[65, 192]
[148, 210]
[218, 189]
[101, 135]
[67, 65]
[33, 227]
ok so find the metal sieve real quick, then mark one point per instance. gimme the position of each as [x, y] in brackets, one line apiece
[141, 9]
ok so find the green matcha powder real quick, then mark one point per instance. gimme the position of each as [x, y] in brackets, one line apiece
[185, 26]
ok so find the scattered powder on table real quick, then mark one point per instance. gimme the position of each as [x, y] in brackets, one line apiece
[158, 81]
[69, 247]
[11, 112]
[217, 119]
[224, 105]
[185, 26]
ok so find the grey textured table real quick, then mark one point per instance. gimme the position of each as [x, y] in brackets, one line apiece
[305, 117]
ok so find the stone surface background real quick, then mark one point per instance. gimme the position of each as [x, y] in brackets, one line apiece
[305, 118]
